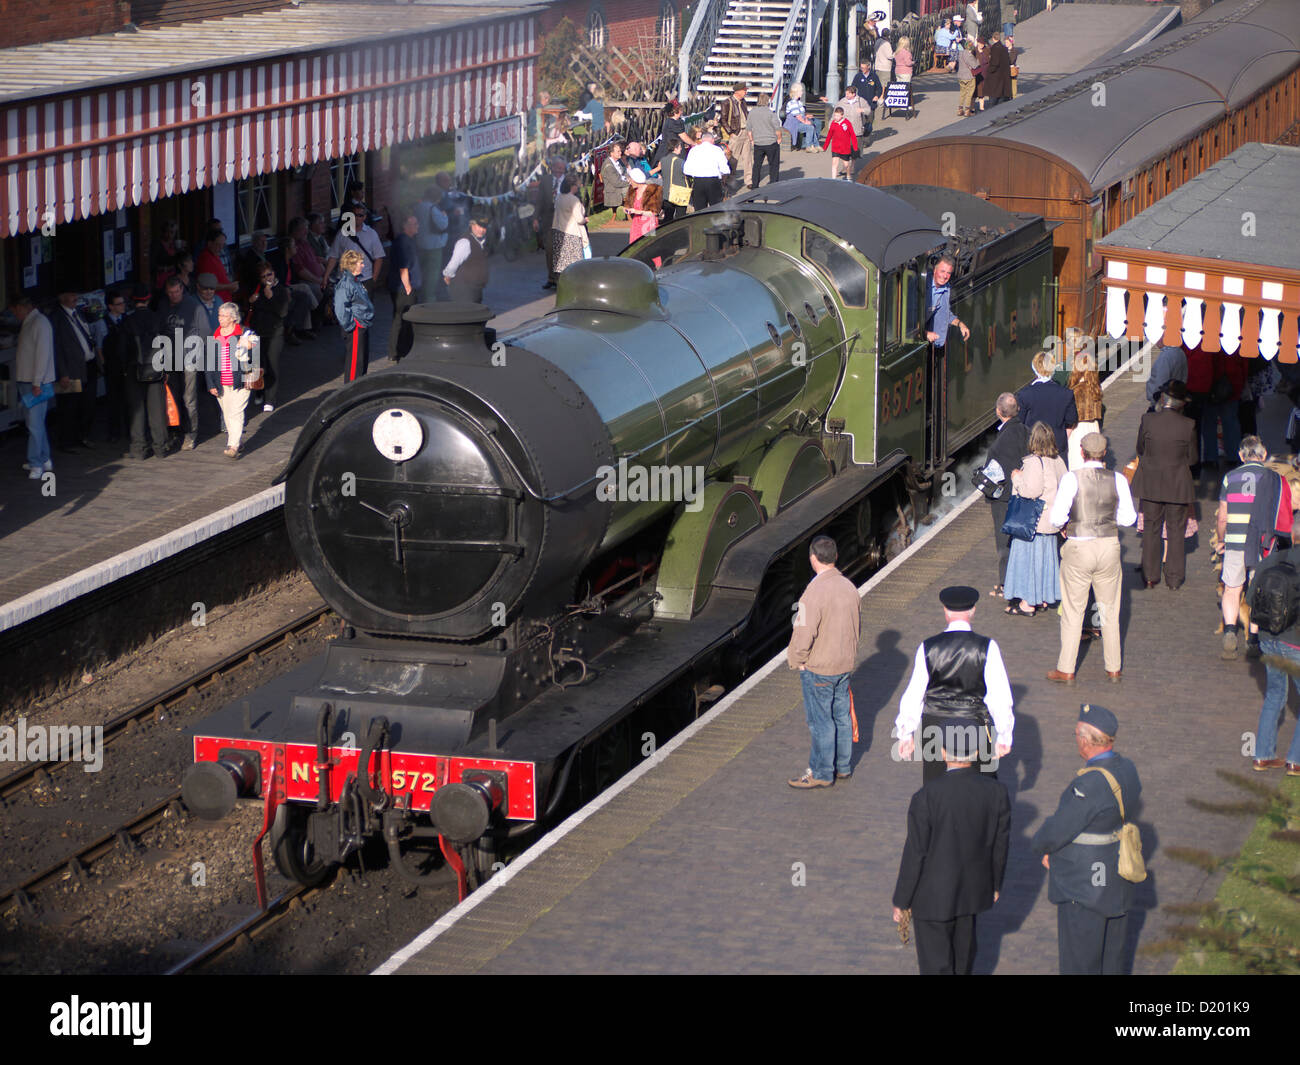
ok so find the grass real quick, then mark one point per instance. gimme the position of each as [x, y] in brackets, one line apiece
[1256, 912]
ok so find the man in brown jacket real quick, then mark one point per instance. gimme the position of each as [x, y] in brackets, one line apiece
[823, 647]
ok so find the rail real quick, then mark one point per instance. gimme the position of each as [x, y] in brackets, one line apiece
[812, 30]
[779, 86]
[697, 44]
[157, 706]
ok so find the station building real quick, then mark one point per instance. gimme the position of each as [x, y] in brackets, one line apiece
[252, 118]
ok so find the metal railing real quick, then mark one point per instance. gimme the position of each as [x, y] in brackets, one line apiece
[783, 46]
[813, 31]
[698, 43]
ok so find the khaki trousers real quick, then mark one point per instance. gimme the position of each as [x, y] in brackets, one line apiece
[1090, 565]
[967, 97]
[233, 402]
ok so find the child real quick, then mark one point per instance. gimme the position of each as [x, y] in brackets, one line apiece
[843, 145]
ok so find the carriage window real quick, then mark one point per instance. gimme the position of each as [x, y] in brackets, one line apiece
[842, 270]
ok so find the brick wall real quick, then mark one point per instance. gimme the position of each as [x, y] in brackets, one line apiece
[37, 21]
[627, 22]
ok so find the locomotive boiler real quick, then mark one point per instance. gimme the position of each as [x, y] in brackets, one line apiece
[548, 544]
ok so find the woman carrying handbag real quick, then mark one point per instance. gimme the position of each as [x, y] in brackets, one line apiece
[1034, 568]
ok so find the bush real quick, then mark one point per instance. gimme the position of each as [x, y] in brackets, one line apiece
[554, 75]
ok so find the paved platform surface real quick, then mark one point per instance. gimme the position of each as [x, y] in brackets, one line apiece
[104, 503]
[694, 867]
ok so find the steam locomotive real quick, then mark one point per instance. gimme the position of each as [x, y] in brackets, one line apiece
[550, 544]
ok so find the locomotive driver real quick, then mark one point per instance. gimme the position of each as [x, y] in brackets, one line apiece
[939, 316]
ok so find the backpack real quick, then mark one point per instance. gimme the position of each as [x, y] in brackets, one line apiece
[1275, 599]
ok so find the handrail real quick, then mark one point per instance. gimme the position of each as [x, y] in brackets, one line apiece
[782, 50]
[704, 24]
[812, 29]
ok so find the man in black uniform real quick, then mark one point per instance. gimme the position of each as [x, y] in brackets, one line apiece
[1008, 450]
[466, 272]
[958, 831]
[1080, 848]
[959, 680]
[144, 380]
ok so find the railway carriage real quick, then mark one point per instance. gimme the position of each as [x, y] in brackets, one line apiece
[1091, 151]
[553, 545]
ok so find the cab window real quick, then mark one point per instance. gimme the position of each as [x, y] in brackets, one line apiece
[902, 312]
[668, 249]
[842, 270]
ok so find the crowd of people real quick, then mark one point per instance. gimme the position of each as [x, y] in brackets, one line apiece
[217, 322]
[1057, 509]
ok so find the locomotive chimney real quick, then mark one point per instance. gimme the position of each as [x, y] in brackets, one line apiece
[451, 332]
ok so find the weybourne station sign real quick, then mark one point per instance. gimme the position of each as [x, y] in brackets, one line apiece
[487, 137]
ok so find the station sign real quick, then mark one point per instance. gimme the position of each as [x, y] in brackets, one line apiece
[486, 137]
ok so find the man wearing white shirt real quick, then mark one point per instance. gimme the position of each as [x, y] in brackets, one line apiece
[958, 681]
[1091, 504]
[706, 165]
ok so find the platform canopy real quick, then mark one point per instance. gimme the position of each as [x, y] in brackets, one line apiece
[97, 124]
[1216, 263]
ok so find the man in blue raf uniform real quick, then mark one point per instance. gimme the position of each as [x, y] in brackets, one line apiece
[1080, 848]
[958, 829]
[958, 679]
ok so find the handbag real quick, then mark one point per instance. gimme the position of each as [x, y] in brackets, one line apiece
[45, 394]
[1021, 522]
[71, 388]
[1130, 470]
[1015, 71]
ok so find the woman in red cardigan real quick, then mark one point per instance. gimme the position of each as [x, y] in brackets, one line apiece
[842, 143]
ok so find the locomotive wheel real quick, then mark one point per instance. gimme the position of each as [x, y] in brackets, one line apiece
[294, 855]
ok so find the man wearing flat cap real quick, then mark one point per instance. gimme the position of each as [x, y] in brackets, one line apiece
[1080, 848]
[958, 831]
[958, 680]
[1166, 447]
[1091, 504]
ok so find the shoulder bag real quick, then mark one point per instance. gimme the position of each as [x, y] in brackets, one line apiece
[1021, 522]
[1131, 866]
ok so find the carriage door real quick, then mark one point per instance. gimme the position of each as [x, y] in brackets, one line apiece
[936, 372]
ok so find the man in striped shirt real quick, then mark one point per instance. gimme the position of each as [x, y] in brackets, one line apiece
[1254, 508]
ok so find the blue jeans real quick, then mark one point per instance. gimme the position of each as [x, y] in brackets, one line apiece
[826, 706]
[1274, 708]
[38, 440]
[1210, 415]
[798, 129]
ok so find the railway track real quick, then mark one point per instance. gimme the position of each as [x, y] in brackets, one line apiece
[157, 707]
[76, 866]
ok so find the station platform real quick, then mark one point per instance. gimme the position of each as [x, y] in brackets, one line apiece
[703, 860]
[110, 517]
